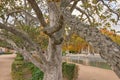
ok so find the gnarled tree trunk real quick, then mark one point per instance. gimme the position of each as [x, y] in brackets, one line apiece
[53, 70]
[53, 73]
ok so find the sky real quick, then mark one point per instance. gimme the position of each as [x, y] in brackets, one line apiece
[116, 27]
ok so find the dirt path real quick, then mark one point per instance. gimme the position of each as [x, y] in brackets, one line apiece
[5, 66]
[93, 73]
[85, 72]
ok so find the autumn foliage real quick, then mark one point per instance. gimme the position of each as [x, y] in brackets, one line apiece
[77, 44]
[112, 34]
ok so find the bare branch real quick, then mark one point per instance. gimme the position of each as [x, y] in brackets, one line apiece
[110, 9]
[66, 3]
[73, 6]
[20, 11]
[83, 12]
[38, 12]
[32, 17]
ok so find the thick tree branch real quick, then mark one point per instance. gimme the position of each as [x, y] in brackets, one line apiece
[17, 32]
[32, 58]
[54, 32]
[56, 19]
[66, 3]
[3, 38]
[51, 30]
[38, 12]
[73, 6]
[108, 50]
[25, 37]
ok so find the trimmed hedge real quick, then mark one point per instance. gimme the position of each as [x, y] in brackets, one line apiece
[19, 58]
[17, 68]
[69, 70]
[37, 74]
[8, 53]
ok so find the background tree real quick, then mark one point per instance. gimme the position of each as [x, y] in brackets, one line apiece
[59, 14]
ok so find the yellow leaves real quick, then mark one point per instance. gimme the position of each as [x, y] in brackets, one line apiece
[112, 35]
[75, 44]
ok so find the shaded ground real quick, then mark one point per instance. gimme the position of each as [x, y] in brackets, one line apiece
[5, 66]
[94, 73]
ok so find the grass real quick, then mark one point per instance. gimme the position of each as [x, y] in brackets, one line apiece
[95, 64]
[100, 65]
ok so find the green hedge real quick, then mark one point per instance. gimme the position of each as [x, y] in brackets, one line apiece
[37, 74]
[8, 53]
[69, 71]
[18, 66]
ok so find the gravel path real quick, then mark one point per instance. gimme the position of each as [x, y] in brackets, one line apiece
[5, 66]
[94, 73]
[85, 72]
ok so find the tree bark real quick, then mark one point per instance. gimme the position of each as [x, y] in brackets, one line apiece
[108, 50]
[53, 73]
[54, 66]
[54, 52]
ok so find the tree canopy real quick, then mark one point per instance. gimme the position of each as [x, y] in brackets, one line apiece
[22, 22]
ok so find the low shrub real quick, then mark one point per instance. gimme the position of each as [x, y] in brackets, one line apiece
[63, 53]
[19, 68]
[8, 53]
[37, 74]
[69, 71]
